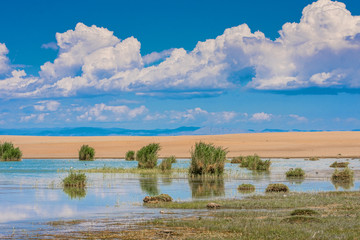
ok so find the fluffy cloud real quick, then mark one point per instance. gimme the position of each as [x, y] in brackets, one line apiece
[4, 61]
[103, 112]
[258, 117]
[36, 117]
[319, 51]
[47, 105]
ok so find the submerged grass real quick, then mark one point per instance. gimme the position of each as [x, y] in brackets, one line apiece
[106, 169]
[75, 179]
[254, 162]
[297, 172]
[339, 164]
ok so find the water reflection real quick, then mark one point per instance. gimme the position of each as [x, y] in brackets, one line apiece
[207, 187]
[166, 179]
[295, 180]
[149, 184]
[75, 192]
[346, 185]
[260, 175]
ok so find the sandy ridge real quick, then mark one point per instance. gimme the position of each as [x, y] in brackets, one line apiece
[290, 144]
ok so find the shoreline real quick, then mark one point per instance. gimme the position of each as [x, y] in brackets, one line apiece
[266, 145]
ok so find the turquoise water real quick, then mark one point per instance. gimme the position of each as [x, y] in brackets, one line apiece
[31, 193]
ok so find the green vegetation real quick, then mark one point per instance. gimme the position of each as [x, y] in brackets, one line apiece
[314, 158]
[308, 212]
[339, 164]
[159, 198]
[254, 162]
[166, 163]
[297, 172]
[106, 169]
[207, 159]
[75, 179]
[246, 188]
[254, 217]
[238, 159]
[277, 187]
[345, 175]
[9, 153]
[130, 155]
[147, 156]
[86, 153]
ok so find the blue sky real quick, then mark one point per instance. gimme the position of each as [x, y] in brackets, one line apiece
[225, 67]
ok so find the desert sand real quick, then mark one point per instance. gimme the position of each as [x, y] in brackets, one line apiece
[268, 145]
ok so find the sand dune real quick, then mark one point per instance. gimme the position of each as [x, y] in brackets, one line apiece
[303, 144]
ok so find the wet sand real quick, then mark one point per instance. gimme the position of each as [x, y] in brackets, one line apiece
[272, 145]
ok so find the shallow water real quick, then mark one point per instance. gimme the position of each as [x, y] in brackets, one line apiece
[31, 193]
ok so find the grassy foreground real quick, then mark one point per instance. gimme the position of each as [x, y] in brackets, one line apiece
[330, 215]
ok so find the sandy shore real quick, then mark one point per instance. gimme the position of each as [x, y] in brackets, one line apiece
[303, 144]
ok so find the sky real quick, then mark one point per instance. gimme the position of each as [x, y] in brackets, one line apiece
[225, 67]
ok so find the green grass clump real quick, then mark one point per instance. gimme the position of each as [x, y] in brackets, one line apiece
[345, 175]
[254, 162]
[277, 187]
[238, 159]
[314, 158]
[130, 155]
[147, 156]
[86, 153]
[297, 172]
[75, 179]
[207, 159]
[302, 212]
[159, 198]
[246, 187]
[166, 163]
[9, 153]
[339, 164]
[300, 219]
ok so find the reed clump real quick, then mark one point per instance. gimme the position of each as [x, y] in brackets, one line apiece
[246, 187]
[130, 155]
[277, 187]
[166, 163]
[345, 175]
[339, 164]
[9, 153]
[254, 162]
[147, 156]
[304, 212]
[207, 159]
[297, 172]
[86, 153]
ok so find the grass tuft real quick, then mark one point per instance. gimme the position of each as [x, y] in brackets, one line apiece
[300, 219]
[86, 153]
[345, 175]
[130, 155]
[147, 156]
[207, 159]
[238, 159]
[246, 188]
[158, 198]
[9, 153]
[166, 163]
[339, 164]
[297, 172]
[254, 162]
[302, 212]
[277, 187]
[75, 179]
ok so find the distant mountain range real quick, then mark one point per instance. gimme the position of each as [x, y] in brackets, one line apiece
[93, 131]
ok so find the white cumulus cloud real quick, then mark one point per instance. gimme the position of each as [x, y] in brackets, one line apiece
[103, 112]
[261, 116]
